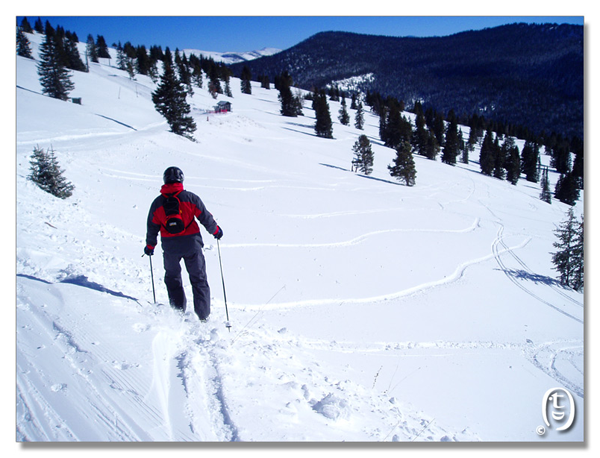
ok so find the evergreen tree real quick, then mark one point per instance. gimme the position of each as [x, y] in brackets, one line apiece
[214, 85]
[54, 77]
[499, 160]
[450, 150]
[38, 25]
[170, 101]
[23, 47]
[359, 118]
[102, 47]
[561, 158]
[246, 78]
[197, 75]
[265, 83]
[288, 104]
[46, 173]
[545, 195]
[73, 58]
[421, 135]
[121, 58]
[142, 64]
[344, 117]
[432, 147]
[91, 50]
[512, 163]
[404, 164]
[363, 155]
[486, 155]
[567, 189]
[568, 260]
[323, 124]
[26, 26]
[529, 161]
[577, 257]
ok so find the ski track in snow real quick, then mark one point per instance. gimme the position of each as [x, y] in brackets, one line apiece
[447, 279]
[497, 252]
[351, 242]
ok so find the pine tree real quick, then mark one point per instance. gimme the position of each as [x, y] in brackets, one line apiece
[486, 155]
[170, 101]
[568, 260]
[577, 257]
[54, 77]
[323, 124]
[432, 147]
[91, 50]
[26, 26]
[363, 155]
[421, 135]
[38, 25]
[344, 117]
[404, 164]
[23, 47]
[450, 150]
[46, 173]
[359, 118]
[121, 57]
[529, 161]
[73, 58]
[545, 195]
[499, 160]
[288, 104]
[567, 189]
[512, 163]
[102, 47]
[246, 78]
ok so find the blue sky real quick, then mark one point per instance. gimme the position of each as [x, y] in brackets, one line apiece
[248, 33]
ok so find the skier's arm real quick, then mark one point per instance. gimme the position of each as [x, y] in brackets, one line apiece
[205, 218]
[152, 228]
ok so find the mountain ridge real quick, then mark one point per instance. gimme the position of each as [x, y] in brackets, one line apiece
[522, 74]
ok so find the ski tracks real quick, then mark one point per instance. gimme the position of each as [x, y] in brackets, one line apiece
[499, 247]
[188, 382]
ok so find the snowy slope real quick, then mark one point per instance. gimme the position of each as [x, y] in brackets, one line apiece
[362, 309]
[233, 57]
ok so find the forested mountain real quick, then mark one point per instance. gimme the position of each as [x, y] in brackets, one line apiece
[525, 74]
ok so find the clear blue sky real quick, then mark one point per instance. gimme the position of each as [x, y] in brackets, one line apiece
[248, 33]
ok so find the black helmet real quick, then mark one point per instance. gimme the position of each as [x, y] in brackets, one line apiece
[173, 175]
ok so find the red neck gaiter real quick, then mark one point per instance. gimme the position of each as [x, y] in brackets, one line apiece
[171, 189]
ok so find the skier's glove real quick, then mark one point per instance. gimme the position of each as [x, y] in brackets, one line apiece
[218, 233]
[148, 250]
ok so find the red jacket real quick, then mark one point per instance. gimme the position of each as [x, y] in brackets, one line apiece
[191, 208]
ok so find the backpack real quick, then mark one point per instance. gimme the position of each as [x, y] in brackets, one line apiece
[174, 223]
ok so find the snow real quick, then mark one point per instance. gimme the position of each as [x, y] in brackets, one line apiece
[362, 309]
[232, 57]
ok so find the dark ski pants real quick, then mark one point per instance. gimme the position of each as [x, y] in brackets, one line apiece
[196, 268]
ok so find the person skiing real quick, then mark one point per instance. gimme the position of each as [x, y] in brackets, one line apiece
[173, 213]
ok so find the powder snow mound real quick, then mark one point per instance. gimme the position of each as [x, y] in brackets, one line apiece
[361, 309]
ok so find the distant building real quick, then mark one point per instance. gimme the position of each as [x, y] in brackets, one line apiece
[223, 107]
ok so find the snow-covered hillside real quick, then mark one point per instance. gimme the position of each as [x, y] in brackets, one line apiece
[362, 309]
[233, 57]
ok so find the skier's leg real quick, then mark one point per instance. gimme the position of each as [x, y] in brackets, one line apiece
[196, 267]
[173, 281]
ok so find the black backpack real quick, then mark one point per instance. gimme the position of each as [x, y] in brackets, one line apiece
[174, 223]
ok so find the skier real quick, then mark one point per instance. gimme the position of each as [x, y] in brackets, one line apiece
[173, 213]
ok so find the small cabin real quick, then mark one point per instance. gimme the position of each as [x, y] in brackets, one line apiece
[223, 107]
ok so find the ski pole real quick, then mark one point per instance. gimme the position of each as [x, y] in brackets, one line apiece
[228, 324]
[152, 276]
